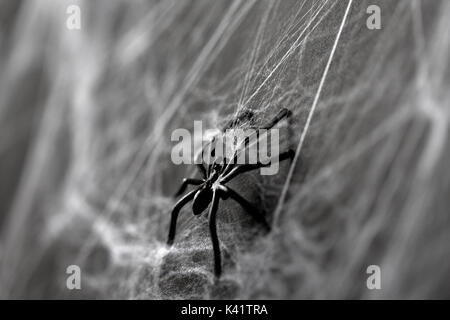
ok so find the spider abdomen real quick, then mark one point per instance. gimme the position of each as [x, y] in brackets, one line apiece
[201, 200]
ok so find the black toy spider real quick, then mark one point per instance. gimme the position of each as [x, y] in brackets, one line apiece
[212, 187]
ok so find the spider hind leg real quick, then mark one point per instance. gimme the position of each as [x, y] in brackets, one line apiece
[214, 237]
[186, 182]
[248, 207]
[245, 115]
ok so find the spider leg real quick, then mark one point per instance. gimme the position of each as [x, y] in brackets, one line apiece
[206, 166]
[202, 170]
[244, 115]
[282, 114]
[186, 182]
[213, 232]
[249, 167]
[251, 209]
[232, 163]
[175, 211]
[289, 154]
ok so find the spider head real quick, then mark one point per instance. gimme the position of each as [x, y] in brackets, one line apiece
[202, 199]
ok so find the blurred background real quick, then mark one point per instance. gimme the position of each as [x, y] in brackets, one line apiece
[86, 177]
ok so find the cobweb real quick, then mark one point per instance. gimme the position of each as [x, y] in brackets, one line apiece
[87, 179]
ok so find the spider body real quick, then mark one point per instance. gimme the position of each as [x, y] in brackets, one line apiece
[213, 186]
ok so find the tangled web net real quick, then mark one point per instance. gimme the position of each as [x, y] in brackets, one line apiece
[85, 146]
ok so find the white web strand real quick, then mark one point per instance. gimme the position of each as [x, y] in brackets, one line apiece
[308, 121]
[210, 50]
[292, 49]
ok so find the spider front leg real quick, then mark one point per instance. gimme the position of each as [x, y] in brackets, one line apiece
[175, 211]
[249, 167]
[202, 170]
[284, 113]
[186, 182]
[249, 208]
